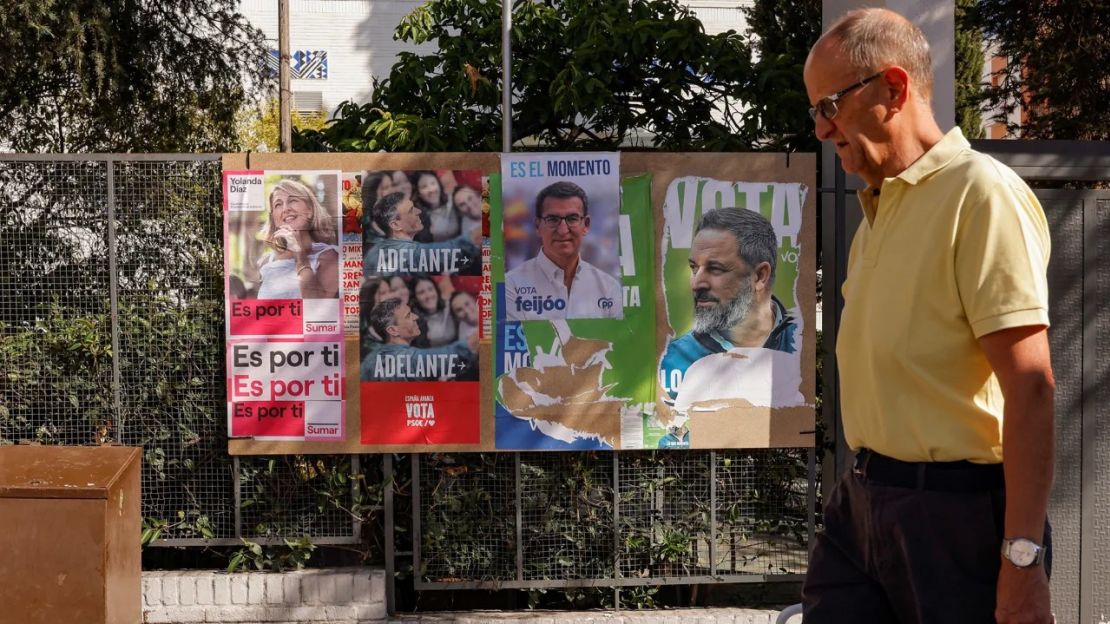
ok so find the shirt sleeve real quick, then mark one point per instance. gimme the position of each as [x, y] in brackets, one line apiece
[1001, 259]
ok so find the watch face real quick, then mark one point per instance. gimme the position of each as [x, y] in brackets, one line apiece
[1023, 552]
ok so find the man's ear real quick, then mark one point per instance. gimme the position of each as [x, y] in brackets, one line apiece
[391, 330]
[897, 83]
[763, 276]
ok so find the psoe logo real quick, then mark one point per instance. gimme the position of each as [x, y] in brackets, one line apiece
[540, 304]
[605, 303]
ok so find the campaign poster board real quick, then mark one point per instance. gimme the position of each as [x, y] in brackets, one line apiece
[561, 213]
[650, 174]
[353, 167]
[722, 316]
[284, 316]
[585, 383]
[419, 370]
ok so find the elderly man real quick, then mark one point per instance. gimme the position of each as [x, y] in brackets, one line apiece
[558, 283]
[732, 272]
[399, 254]
[946, 383]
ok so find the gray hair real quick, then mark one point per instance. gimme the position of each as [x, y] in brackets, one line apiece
[756, 241]
[874, 39]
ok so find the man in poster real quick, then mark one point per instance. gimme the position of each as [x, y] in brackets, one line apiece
[398, 360]
[398, 253]
[541, 288]
[732, 272]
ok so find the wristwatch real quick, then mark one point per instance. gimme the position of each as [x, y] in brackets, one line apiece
[1022, 552]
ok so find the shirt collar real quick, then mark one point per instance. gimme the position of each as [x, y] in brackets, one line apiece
[935, 159]
[551, 270]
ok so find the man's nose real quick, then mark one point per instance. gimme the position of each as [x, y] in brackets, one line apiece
[823, 128]
[697, 279]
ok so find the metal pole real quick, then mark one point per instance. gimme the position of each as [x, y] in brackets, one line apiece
[390, 547]
[237, 492]
[811, 497]
[284, 93]
[416, 511]
[506, 76]
[616, 528]
[113, 293]
[712, 514]
[356, 469]
[518, 498]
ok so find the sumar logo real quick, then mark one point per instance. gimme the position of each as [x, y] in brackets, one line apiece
[605, 303]
[540, 304]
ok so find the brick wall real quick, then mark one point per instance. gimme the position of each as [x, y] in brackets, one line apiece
[335, 596]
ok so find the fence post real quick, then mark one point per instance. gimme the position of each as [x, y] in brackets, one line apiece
[712, 514]
[519, 518]
[390, 547]
[113, 294]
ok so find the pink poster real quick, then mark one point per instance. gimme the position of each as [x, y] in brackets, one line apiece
[284, 313]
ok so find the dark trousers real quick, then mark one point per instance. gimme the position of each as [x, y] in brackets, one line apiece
[910, 544]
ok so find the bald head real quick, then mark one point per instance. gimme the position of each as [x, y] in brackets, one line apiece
[870, 40]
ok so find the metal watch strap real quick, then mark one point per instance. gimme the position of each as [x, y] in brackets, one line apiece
[1037, 559]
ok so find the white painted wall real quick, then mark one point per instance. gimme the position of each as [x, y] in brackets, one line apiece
[357, 35]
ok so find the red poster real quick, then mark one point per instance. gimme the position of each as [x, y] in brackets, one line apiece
[420, 413]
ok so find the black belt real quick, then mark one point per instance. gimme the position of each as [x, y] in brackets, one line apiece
[953, 476]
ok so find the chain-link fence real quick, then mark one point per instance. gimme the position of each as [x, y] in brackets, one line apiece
[535, 520]
[112, 331]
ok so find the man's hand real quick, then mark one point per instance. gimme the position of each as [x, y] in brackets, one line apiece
[1022, 596]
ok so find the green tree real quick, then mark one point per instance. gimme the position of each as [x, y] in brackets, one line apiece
[259, 129]
[783, 33]
[1059, 69]
[124, 75]
[969, 70]
[587, 74]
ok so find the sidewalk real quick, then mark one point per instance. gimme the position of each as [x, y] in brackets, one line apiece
[660, 616]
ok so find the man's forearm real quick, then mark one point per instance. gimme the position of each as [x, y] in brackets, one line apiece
[1028, 440]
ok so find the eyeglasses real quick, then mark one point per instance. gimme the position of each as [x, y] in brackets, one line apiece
[572, 220]
[826, 106]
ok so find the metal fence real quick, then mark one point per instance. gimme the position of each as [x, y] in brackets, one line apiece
[112, 331]
[547, 520]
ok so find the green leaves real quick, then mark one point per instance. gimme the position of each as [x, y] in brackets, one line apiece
[88, 75]
[1058, 74]
[586, 75]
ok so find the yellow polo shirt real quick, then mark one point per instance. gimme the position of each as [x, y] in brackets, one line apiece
[952, 249]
